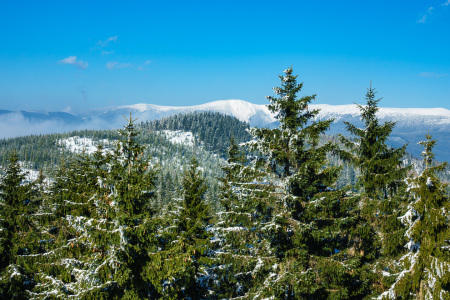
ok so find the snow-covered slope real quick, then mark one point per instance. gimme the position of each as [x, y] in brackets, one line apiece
[259, 115]
[412, 124]
[256, 115]
[429, 116]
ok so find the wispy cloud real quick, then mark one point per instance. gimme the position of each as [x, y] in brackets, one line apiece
[72, 60]
[432, 75]
[15, 124]
[112, 65]
[424, 17]
[107, 52]
[430, 11]
[107, 42]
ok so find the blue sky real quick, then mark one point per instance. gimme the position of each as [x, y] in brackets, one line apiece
[75, 56]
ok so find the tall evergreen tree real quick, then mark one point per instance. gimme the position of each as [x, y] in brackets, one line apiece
[382, 175]
[303, 232]
[425, 268]
[381, 166]
[241, 234]
[101, 228]
[132, 181]
[18, 234]
[181, 267]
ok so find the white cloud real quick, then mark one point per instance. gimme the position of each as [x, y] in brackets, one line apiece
[116, 65]
[422, 20]
[107, 52]
[110, 65]
[432, 75]
[15, 124]
[108, 40]
[72, 60]
[424, 17]
[430, 12]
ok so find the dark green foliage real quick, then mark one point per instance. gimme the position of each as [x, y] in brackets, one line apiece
[381, 167]
[242, 230]
[97, 226]
[383, 201]
[179, 270]
[18, 235]
[428, 260]
[214, 130]
[281, 206]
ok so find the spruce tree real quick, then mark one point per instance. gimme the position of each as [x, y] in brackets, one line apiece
[181, 267]
[381, 181]
[317, 226]
[381, 166]
[133, 181]
[425, 268]
[100, 226]
[18, 234]
[241, 234]
[302, 231]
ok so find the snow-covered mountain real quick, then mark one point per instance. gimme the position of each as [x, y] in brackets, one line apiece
[412, 124]
[411, 127]
[256, 115]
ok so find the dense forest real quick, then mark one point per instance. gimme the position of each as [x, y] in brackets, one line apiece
[243, 213]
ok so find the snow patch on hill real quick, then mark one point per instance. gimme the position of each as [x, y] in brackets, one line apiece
[179, 137]
[76, 144]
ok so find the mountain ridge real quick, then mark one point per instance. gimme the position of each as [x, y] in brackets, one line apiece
[412, 124]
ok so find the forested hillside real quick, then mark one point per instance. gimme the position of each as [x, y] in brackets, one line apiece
[196, 206]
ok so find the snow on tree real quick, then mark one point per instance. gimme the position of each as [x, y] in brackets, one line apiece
[383, 188]
[99, 229]
[308, 228]
[181, 267]
[381, 166]
[18, 230]
[425, 268]
[243, 252]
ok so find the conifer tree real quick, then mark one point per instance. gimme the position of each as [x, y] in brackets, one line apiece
[18, 234]
[101, 227]
[381, 166]
[382, 181]
[132, 180]
[303, 232]
[181, 268]
[425, 268]
[241, 234]
[311, 239]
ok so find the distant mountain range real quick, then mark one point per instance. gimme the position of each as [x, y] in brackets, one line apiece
[411, 127]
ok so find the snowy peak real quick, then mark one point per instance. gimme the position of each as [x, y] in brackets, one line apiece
[241, 110]
[254, 114]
